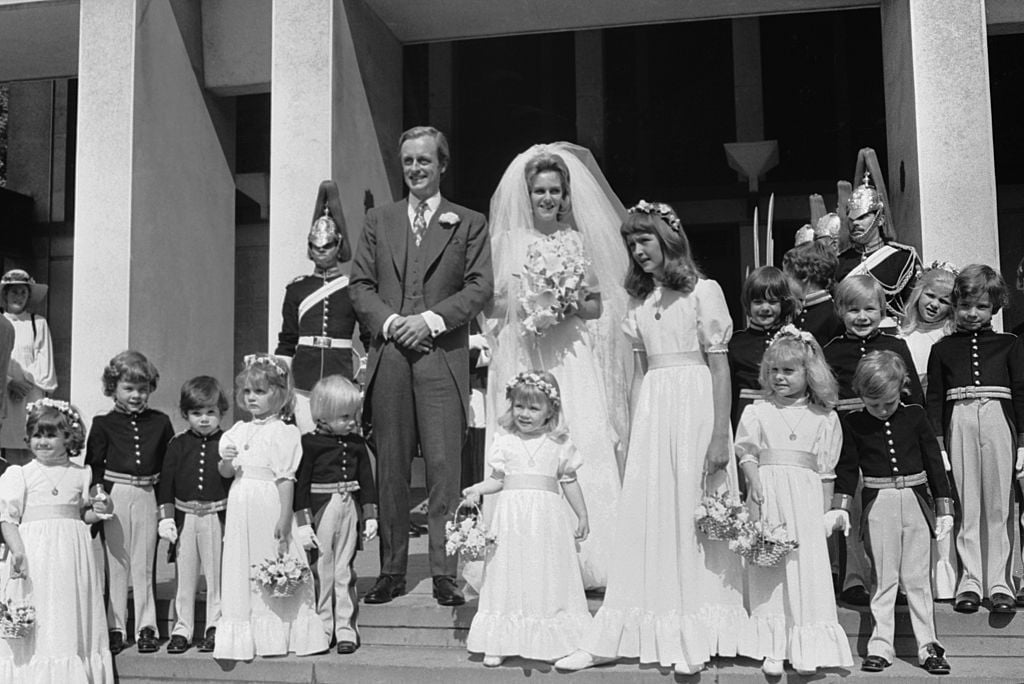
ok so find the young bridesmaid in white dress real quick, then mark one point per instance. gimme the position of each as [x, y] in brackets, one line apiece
[45, 513]
[673, 597]
[531, 602]
[788, 446]
[263, 455]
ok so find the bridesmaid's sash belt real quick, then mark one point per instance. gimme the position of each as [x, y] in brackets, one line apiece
[788, 457]
[982, 392]
[656, 361]
[52, 512]
[528, 481]
[748, 393]
[898, 482]
[258, 473]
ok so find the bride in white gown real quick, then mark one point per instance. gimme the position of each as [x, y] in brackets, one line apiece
[549, 194]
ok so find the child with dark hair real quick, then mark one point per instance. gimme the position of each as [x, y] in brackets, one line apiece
[335, 491]
[192, 498]
[892, 446]
[126, 450]
[769, 302]
[813, 265]
[43, 506]
[976, 405]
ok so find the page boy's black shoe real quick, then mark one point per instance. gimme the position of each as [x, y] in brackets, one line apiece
[967, 602]
[874, 663]
[935, 663]
[210, 642]
[178, 644]
[855, 596]
[117, 643]
[347, 647]
[147, 641]
[385, 589]
[1001, 603]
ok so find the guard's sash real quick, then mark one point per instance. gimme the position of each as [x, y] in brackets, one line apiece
[322, 293]
[874, 259]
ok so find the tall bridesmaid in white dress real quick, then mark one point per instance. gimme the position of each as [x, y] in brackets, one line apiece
[549, 194]
[45, 512]
[673, 597]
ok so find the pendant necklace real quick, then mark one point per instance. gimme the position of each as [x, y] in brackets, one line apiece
[657, 303]
[531, 457]
[55, 491]
[792, 428]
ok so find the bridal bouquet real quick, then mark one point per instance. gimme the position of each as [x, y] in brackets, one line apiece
[552, 281]
[721, 516]
[280, 576]
[467, 535]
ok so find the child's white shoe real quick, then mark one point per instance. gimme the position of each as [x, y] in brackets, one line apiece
[493, 660]
[684, 669]
[772, 667]
[581, 660]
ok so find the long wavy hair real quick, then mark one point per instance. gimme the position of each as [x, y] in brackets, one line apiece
[822, 388]
[681, 273]
[938, 279]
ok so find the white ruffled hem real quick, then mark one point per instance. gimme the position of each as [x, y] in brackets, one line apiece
[98, 668]
[668, 639]
[806, 647]
[529, 637]
[269, 636]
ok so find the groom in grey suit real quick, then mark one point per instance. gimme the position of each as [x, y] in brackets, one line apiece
[421, 272]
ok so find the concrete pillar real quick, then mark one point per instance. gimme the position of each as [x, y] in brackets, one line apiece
[590, 117]
[33, 117]
[941, 176]
[323, 126]
[154, 208]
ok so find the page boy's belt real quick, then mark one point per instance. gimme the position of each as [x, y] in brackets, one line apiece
[134, 480]
[201, 507]
[850, 404]
[324, 342]
[332, 487]
[747, 393]
[979, 392]
[898, 482]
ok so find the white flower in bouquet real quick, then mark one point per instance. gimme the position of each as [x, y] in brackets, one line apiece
[552, 281]
[280, 576]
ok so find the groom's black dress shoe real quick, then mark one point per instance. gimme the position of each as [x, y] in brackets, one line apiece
[385, 589]
[447, 592]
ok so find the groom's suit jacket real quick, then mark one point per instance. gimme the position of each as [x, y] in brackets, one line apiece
[452, 278]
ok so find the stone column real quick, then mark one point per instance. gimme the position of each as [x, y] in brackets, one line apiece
[323, 125]
[154, 207]
[589, 47]
[941, 176]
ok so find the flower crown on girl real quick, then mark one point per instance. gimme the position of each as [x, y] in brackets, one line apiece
[272, 364]
[662, 210]
[791, 331]
[534, 380]
[943, 265]
[59, 405]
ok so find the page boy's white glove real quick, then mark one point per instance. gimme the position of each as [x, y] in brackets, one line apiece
[837, 519]
[369, 529]
[943, 526]
[306, 537]
[1019, 467]
[167, 530]
[949, 466]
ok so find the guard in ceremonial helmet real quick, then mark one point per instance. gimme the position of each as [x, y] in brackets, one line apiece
[874, 250]
[317, 316]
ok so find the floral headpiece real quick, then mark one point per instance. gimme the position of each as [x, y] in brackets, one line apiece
[534, 380]
[61, 406]
[272, 364]
[944, 265]
[792, 332]
[662, 210]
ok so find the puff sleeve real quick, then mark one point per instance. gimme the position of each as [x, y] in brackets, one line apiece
[498, 457]
[828, 445]
[13, 492]
[630, 327]
[287, 452]
[569, 461]
[714, 324]
[749, 435]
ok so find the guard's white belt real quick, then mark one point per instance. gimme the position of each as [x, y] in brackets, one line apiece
[332, 487]
[979, 392]
[133, 480]
[324, 342]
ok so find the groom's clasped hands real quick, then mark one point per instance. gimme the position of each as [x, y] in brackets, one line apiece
[412, 332]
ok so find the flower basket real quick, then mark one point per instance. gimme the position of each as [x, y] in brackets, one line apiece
[17, 618]
[467, 535]
[720, 517]
[281, 576]
[763, 544]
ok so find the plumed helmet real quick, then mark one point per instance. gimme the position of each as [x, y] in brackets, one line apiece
[329, 221]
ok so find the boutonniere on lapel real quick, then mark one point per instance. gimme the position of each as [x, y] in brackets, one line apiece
[448, 219]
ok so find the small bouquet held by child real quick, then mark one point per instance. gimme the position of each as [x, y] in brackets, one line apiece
[467, 535]
[721, 517]
[280, 576]
[17, 618]
[553, 282]
[762, 543]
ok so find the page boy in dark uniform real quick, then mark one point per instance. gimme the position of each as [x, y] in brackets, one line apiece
[893, 446]
[125, 450]
[193, 499]
[317, 315]
[335, 492]
[976, 389]
[813, 265]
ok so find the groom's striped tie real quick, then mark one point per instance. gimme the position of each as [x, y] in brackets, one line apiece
[419, 223]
